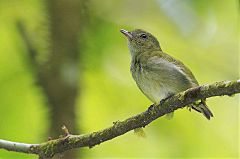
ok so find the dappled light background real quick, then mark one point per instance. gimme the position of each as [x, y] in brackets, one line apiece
[204, 35]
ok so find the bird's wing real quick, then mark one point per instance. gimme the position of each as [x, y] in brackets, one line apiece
[157, 56]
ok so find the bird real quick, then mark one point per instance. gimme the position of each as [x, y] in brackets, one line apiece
[157, 74]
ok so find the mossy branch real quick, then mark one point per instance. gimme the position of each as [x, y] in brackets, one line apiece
[180, 100]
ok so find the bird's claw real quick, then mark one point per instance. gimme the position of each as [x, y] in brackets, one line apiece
[164, 99]
[150, 107]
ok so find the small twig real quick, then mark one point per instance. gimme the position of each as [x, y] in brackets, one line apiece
[65, 130]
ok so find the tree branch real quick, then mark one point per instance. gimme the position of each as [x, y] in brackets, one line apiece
[29, 45]
[15, 146]
[180, 100]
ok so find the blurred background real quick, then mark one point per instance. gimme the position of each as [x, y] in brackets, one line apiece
[65, 62]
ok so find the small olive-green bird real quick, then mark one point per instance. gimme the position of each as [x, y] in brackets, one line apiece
[157, 74]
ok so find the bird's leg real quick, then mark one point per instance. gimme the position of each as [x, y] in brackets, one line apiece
[150, 107]
[161, 102]
[164, 99]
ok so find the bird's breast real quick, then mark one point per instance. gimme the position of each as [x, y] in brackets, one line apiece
[149, 83]
[159, 79]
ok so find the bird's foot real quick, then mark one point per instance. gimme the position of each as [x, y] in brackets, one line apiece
[163, 100]
[150, 107]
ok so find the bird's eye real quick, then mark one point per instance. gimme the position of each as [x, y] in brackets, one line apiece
[144, 36]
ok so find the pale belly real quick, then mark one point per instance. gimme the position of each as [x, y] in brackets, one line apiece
[154, 90]
[157, 85]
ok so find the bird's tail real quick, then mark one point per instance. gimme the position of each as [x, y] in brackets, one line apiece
[203, 108]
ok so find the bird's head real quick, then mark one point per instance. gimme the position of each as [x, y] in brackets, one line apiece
[140, 41]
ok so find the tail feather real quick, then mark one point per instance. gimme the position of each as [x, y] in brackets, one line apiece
[203, 108]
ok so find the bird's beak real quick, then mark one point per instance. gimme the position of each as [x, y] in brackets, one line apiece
[127, 34]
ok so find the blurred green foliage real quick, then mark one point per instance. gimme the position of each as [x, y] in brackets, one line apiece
[206, 41]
